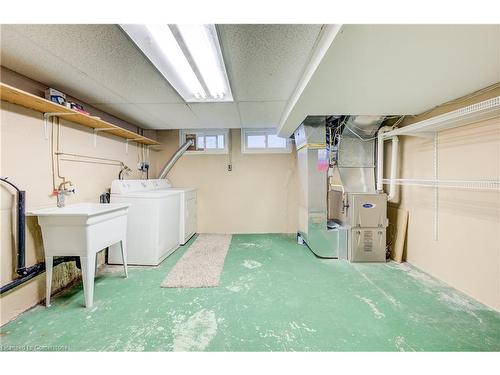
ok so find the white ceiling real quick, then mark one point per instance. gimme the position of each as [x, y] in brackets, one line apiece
[398, 69]
[101, 66]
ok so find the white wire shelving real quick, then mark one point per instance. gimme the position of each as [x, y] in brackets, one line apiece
[468, 115]
[482, 111]
[430, 128]
[451, 184]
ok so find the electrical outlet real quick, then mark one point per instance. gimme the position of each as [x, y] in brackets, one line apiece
[229, 167]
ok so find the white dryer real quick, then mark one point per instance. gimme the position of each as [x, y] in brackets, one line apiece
[153, 223]
[188, 216]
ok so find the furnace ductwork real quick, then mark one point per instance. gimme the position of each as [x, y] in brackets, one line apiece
[358, 227]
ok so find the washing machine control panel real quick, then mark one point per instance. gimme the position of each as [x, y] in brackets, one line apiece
[135, 186]
[161, 184]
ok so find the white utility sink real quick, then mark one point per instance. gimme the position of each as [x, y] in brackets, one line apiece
[79, 209]
[82, 230]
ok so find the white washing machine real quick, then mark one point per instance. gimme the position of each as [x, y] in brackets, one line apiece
[188, 216]
[153, 223]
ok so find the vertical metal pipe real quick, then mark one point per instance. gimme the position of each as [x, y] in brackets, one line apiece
[21, 232]
[21, 228]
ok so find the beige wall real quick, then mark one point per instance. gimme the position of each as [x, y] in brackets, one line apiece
[26, 160]
[467, 252]
[258, 196]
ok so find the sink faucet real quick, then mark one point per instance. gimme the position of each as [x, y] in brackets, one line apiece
[62, 191]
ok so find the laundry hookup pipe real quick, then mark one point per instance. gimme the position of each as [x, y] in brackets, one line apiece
[33, 272]
[170, 163]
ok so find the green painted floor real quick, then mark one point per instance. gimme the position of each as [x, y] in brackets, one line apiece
[274, 296]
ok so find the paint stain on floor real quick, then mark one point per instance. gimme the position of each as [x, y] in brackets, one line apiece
[196, 332]
[251, 264]
[274, 295]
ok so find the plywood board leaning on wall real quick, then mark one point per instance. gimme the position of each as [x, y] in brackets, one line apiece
[398, 221]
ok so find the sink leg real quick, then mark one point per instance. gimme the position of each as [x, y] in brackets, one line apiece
[123, 245]
[48, 279]
[88, 273]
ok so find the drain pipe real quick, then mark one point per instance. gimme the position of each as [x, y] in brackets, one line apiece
[170, 163]
[393, 189]
[25, 273]
[34, 271]
[21, 228]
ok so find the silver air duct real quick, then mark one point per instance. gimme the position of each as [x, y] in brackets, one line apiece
[170, 163]
[312, 162]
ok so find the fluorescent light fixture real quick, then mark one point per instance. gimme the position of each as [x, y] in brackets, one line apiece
[188, 56]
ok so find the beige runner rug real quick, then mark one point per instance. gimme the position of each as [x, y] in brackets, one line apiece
[201, 265]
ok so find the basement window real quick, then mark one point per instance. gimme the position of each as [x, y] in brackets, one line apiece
[264, 141]
[206, 141]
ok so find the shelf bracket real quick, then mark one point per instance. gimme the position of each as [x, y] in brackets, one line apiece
[131, 140]
[96, 131]
[46, 119]
[45, 126]
[48, 115]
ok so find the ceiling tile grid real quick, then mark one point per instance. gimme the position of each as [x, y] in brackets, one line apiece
[99, 65]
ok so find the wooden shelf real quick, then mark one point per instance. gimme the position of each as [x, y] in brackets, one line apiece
[15, 96]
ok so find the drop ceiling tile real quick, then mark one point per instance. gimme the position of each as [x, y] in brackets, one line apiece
[172, 116]
[104, 53]
[260, 114]
[131, 113]
[265, 62]
[21, 55]
[216, 115]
